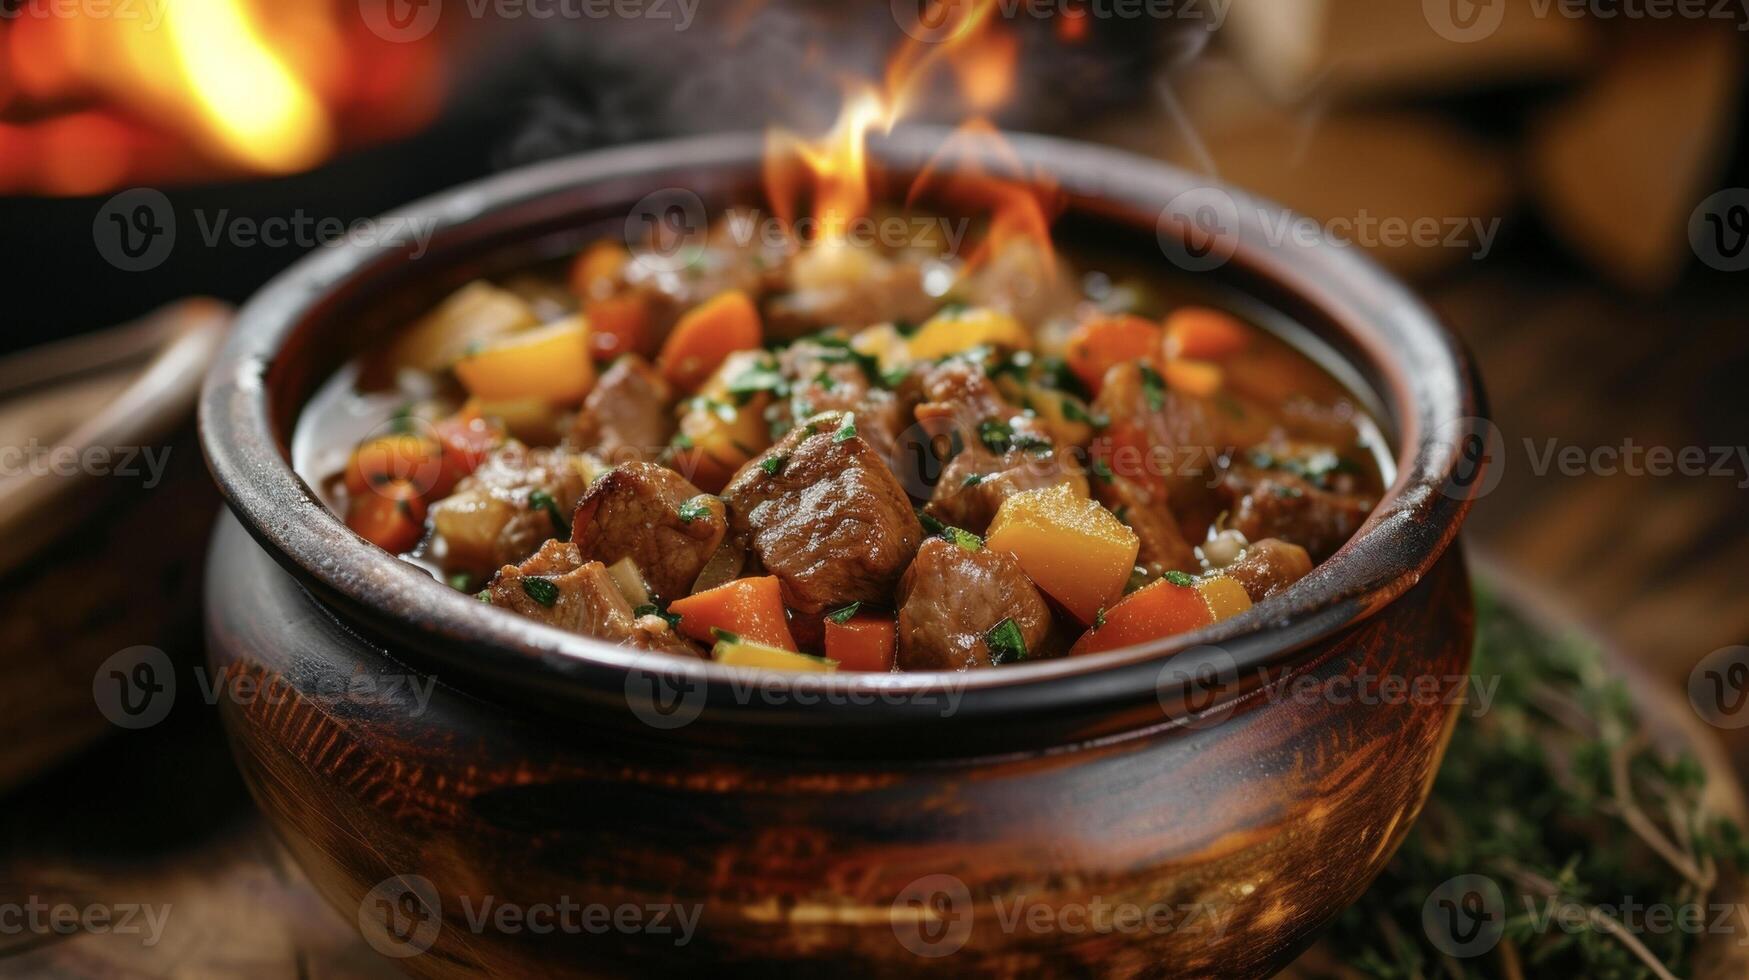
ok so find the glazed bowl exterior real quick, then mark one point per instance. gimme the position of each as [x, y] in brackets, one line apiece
[1195, 807]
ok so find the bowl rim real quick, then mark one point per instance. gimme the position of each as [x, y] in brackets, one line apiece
[1425, 377]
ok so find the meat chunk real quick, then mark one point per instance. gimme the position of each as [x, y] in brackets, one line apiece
[626, 417]
[999, 451]
[821, 511]
[653, 516]
[1171, 443]
[1276, 504]
[1269, 566]
[1163, 545]
[849, 286]
[500, 513]
[951, 598]
[556, 588]
[825, 375]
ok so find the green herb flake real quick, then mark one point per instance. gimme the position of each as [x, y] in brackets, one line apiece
[1006, 643]
[484, 595]
[965, 539]
[973, 480]
[460, 581]
[931, 526]
[842, 616]
[681, 441]
[694, 509]
[1099, 618]
[1102, 470]
[1179, 578]
[847, 431]
[543, 501]
[650, 609]
[996, 435]
[773, 465]
[542, 591]
[1154, 388]
[724, 636]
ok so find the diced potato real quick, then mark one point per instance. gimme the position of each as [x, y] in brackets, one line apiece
[549, 363]
[1224, 595]
[718, 434]
[959, 331]
[743, 653]
[535, 421]
[1071, 547]
[473, 314]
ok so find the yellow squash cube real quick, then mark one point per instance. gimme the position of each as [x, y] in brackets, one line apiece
[960, 331]
[1071, 547]
[550, 363]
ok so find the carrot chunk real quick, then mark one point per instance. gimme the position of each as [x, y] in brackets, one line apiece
[706, 336]
[405, 457]
[1165, 608]
[1198, 378]
[865, 641]
[1201, 333]
[1099, 343]
[389, 515]
[749, 608]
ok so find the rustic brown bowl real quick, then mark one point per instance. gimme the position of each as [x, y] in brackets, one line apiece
[866, 824]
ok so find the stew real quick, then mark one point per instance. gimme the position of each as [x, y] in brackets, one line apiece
[838, 457]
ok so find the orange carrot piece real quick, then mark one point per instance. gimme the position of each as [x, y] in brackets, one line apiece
[465, 440]
[1201, 333]
[1197, 378]
[1099, 343]
[389, 515]
[705, 336]
[1162, 609]
[596, 267]
[751, 608]
[866, 641]
[617, 325]
[404, 457]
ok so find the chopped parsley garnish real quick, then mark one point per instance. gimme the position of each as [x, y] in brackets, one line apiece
[1031, 443]
[484, 595]
[1099, 618]
[542, 591]
[931, 526]
[694, 509]
[1054, 372]
[842, 616]
[1006, 643]
[1179, 578]
[758, 378]
[681, 441]
[965, 539]
[825, 380]
[847, 431]
[996, 435]
[542, 500]
[774, 464]
[460, 581]
[1102, 470]
[1154, 388]
[1073, 411]
[724, 636]
[401, 423]
[973, 480]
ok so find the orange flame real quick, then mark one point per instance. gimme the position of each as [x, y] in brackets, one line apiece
[184, 88]
[832, 172]
[1021, 206]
